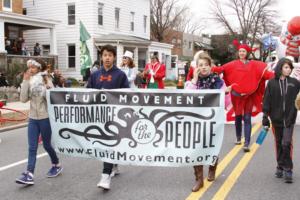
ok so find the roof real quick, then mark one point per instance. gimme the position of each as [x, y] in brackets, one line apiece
[26, 20]
[204, 46]
[119, 38]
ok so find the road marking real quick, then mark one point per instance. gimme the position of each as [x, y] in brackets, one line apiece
[20, 162]
[221, 166]
[235, 174]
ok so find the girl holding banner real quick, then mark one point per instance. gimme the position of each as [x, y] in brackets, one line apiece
[34, 88]
[204, 79]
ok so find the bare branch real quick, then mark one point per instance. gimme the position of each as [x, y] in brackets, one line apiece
[255, 17]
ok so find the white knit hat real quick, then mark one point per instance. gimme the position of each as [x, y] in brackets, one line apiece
[33, 62]
[128, 54]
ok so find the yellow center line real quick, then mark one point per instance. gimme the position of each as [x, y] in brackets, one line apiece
[232, 178]
[221, 167]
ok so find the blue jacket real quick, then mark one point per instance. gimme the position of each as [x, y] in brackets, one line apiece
[111, 79]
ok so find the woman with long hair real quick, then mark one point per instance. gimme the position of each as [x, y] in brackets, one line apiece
[128, 67]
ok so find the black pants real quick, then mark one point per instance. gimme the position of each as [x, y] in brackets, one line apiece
[284, 146]
[107, 167]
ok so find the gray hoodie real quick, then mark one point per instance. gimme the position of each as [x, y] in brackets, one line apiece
[34, 90]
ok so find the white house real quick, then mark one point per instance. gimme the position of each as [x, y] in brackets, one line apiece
[124, 24]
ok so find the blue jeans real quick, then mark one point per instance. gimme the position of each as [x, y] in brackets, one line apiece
[35, 128]
[247, 127]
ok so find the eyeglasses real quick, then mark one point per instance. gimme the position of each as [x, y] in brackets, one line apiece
[124, 57]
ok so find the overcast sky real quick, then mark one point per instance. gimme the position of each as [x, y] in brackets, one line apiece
[287, 9]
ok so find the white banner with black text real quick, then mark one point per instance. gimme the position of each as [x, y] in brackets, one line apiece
[138, 127]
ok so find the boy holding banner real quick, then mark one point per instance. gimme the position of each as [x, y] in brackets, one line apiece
[108, 77]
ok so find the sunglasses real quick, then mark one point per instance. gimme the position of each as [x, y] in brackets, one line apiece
[124, 57]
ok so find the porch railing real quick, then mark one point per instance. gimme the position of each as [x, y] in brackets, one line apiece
[14, 65]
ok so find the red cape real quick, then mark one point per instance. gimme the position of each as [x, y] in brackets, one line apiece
[248, 79]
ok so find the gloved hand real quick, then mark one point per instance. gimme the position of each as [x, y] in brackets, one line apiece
[151, 72]
[266, 121]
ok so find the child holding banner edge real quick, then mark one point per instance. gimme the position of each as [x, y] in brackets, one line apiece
[108, 77]
[283, 113]
[34, 88]
[204, 79]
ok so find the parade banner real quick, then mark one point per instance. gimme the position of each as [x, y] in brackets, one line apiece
[138, 127]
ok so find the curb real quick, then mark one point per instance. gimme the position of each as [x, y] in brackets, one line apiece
[9, 128]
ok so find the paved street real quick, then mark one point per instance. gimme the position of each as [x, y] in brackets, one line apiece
[253, 180]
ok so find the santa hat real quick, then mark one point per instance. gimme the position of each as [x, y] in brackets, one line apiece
[239, 46]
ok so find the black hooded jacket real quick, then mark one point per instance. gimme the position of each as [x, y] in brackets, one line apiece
[279, 100]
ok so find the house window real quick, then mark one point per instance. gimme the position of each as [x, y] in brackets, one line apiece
[117, 17]
[174, 40]
[100, 13]
[71, 55]
[24, 11]
[46, 49]
[7, 5]
[190, 45]
[132, 21]
[71, 14]
[145, 23]
[179, 43]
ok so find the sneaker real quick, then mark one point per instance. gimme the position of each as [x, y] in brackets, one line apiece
[246, 149]
[279, 173]
[238, 142]
[115, 171]
[104, 182]
[288, 176]
[26, 179]
[54, 171]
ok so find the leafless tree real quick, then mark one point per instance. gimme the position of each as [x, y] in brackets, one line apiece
[189, 24]
[254, 17]
[165, 15]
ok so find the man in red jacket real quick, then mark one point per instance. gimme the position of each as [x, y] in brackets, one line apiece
[246, 82]
[156, 70]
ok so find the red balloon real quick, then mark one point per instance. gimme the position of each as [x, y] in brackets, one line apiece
[294, 25]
